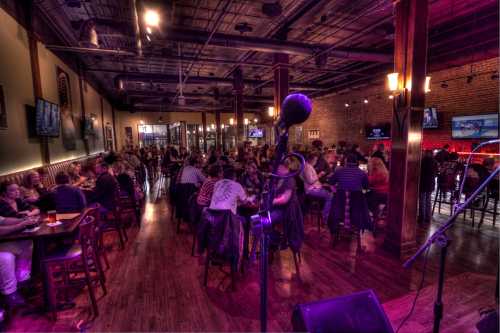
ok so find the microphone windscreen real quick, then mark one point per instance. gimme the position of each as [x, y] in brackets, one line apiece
[295, 109]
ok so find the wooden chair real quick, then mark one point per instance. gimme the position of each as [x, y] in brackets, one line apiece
[314, 210]
[112, 222]
[211, 233]
[75, 267]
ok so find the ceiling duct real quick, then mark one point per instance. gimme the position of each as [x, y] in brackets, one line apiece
[88, 35]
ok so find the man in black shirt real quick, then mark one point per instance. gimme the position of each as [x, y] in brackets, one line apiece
[106, 188]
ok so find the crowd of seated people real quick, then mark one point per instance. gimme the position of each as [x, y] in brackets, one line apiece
[74, 189]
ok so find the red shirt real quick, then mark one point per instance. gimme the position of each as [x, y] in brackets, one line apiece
[379, 182]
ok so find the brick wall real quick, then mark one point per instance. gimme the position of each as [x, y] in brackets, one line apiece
[337, 122]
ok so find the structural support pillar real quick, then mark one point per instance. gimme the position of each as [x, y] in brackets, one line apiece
[238, 105]
[410, 56]
[204, 130]
[281, 80]
[197, 137]
[183, 133]
[218, 131]
[35, 72]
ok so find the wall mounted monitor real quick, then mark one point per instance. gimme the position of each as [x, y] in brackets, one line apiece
[475, 127]
[378, 132]
[48, 118]
[255, 132]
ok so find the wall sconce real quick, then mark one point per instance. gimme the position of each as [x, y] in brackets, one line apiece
[270, 111]
[200, 128]
[246, 121]
[141, 122]
[392, 81]
[231, 121]
[365, 101]
[213, 126]
[222, 126]
[346, 105]
[391, 96]
[256, 120]
[427, 87]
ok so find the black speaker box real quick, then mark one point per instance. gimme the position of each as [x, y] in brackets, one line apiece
[356, 313]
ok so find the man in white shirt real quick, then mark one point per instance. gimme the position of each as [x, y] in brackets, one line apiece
[313, 186]
[191, 174]
[227, 192]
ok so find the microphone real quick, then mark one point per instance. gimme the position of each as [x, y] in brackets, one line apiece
[295, 109]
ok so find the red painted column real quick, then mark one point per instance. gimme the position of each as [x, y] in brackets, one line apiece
[410, 57]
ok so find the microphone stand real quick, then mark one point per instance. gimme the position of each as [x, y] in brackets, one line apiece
[281, 150]
[441, 239]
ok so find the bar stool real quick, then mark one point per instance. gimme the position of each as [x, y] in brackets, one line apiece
[314, 208]
[492, 194]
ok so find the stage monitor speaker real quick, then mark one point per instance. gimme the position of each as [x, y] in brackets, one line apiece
[356, 313]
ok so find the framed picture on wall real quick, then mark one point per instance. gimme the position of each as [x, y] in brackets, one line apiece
[3, 110]
[129, 140]
[108, 133]
[66, 110]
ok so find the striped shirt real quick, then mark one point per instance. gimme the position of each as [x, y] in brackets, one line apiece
[206, 191]
[192, 175]
[350, 178]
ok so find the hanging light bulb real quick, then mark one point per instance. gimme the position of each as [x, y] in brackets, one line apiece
[152, 18]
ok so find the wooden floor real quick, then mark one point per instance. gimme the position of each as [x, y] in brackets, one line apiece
[156, 285]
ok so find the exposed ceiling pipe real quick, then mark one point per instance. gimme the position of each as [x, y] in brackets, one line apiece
[157, 93]
[168, 78]
[137, 31]
[89, 50]
[275, 46]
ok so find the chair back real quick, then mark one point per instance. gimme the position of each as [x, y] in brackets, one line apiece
[88, 240]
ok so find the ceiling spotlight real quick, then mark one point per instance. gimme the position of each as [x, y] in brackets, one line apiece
[470, 78]
[346, 105]
[444, 85]
[365, 101]
[152, 18]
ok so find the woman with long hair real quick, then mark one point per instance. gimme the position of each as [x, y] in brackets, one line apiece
[378, 181]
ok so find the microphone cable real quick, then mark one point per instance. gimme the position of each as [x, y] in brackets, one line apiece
[421, 285]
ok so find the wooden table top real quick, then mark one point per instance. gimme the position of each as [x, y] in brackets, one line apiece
[67, 227]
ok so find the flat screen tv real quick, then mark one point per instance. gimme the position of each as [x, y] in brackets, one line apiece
[378, 132]
[430, 118]
[475, 127]
[48, 121]
[255, 132]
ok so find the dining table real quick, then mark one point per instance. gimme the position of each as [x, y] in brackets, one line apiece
[65, 226]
